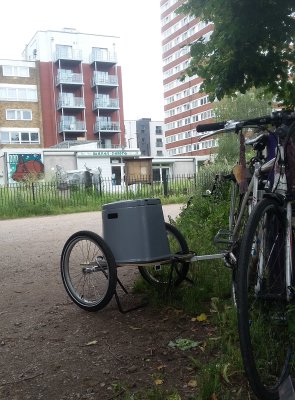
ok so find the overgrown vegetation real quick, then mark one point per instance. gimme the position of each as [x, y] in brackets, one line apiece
[221, 377]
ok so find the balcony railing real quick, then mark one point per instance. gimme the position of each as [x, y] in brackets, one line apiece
[103, 57]
[76, 102]
[69, 78]
[66, 126]
[69, 54]
[106, 127]
[111, 104]
[110, 80]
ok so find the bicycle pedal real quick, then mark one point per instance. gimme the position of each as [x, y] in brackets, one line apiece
[223, 236]
[230, 260]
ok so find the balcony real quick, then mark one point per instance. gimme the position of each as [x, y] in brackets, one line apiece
[110, 104]
[105, 81]
[103, 57]
[68, 55]
[67, 78]
[71, 103]
[108, 127]
[67, 126]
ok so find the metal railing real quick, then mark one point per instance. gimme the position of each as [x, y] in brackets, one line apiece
[96, 192]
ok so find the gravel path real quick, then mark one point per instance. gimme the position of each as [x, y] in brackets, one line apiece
[51, 349]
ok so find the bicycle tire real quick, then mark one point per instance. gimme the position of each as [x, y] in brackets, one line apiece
[264, 318]
[172, 273]
[88, 270]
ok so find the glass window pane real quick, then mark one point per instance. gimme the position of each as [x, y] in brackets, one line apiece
[10, 114]
[25, 137]
[4, 137]
[27, 115]
[24, 72]
[7, 70]
[11, 94]
[31, 94]
[22, 94]
[34, 137]
[15, 137]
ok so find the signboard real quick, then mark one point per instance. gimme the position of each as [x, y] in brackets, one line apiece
[138, 171]
[108, 153]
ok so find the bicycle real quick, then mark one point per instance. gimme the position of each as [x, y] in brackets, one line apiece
[265, 281]
[251, 177]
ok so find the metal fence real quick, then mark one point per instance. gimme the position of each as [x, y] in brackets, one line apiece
[62, 194]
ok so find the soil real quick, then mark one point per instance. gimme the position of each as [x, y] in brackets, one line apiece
[52, 349]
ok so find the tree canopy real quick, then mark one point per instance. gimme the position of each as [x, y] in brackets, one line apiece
[239, 107]
[243, 106]
[251, 46]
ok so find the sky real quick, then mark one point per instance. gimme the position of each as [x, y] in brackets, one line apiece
[136, 22]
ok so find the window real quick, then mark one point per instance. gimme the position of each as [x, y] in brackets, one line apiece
[159, 153]
[159, 130]
[204, 100]
[159, 143]
[35, 137]
[4, 137]
[14, 70]
[156, 175]
[116, 175]
[22, 115]
[23, 136]
[15, 137]
[18, 93]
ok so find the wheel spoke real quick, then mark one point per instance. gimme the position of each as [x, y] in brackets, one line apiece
[88, 270]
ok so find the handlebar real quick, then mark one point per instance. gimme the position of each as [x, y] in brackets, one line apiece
[211, 127]
[276, 118]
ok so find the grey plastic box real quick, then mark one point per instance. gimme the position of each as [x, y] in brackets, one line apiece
[135, 231]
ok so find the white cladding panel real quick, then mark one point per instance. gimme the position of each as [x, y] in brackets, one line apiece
[43, 44]
[94, 164]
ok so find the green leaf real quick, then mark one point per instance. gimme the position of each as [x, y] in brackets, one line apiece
[184, 344]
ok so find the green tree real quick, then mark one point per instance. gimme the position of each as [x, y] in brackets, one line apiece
[243, 106]
[238, 107]
[251, 46]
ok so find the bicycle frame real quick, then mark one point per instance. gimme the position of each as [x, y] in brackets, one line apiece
[252, 191]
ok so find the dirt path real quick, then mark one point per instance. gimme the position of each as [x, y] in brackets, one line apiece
[51, 349]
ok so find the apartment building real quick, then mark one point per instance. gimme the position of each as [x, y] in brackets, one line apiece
[20, 108]
[185, 107]
[80, 86]
[146, 135]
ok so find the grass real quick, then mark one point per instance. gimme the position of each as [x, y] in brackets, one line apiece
[33, 198]
[222, 375]
[122, 392]
[18, 207]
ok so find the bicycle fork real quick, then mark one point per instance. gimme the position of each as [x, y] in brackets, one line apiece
[289, 253]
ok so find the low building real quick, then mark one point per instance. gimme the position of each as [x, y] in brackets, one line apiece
[17, 164]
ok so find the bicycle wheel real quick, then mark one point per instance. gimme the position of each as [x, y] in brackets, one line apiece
[265, 318]
[88, 270]
[173, 272]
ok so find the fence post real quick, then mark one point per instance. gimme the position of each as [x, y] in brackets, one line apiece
[33, 192]
[165, 186]
[195, 180]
